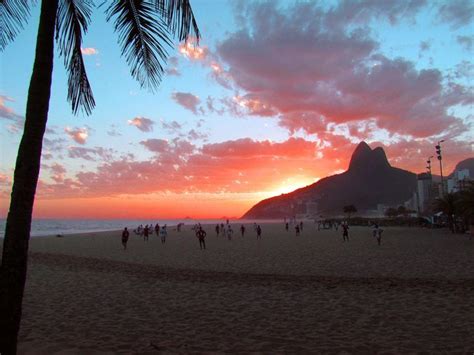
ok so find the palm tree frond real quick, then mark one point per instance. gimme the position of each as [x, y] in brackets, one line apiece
[142, 35]
[179, 17]
[13, 16]
[72, 20]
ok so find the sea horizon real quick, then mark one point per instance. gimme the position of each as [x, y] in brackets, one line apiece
[52, 226]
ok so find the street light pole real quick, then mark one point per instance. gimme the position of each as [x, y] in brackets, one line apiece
[440, 158]
[429, 165]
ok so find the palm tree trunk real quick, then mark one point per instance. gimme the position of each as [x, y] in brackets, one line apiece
[17, 232]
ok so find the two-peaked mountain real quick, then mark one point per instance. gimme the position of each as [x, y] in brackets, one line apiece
[369, 181]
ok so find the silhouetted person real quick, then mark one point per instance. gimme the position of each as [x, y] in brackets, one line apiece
[379, 236]
[242, 230]
[157, 229]
[145, 233]
[217, 230]
[297, 230]
[259, 232]
[125, 235]
[163, 234]
[229, 232]
[287, 226]
[201, 235]
[345, 232]
[301, 225]
[375, 231]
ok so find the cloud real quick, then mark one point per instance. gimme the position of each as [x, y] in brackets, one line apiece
[187, 100]
[240, 166]
[192, 51]
[156, 145]
[466, 42]
[8, 113]
[79, 135]
[89, 51]
[113, 132]
[194, 135]
[142, 123]
[58, 172]
[91, 154]
[320, 72]
[171, 127]
[424, 47]
[457, 13]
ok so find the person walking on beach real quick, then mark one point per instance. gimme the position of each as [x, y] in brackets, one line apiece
[125, 235]
[145, 233]
[242, 230]
[163, 234]
[379, 236]
[201, 235]
[157, 229]
[301, 225]
[297, 230]
[217, 230]
[229, 232]
[287, 226]
[345, 232]
[375, 230]
[259, 232]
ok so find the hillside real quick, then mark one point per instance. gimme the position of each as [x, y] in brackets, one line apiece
[370, 180]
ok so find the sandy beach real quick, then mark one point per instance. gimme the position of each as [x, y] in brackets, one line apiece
[280, 294]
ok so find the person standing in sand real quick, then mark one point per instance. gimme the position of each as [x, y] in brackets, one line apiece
[125, 235]
[345, 232]
[229, 232]
[201, 235]
[375, 230]
[217, 230]
[163, 234]
[145, 233]
[379, 236]
[297, 230]
[259, 232]
[242, 230]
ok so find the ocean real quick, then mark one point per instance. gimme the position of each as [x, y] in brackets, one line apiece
[44, 227]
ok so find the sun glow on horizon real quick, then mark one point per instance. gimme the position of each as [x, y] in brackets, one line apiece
[291, 184]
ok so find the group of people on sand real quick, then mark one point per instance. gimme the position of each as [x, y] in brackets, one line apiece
[227, 231]
[328, 224]
[376, 232]
[146, 231]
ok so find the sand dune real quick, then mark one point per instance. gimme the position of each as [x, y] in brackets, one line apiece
[311, 293]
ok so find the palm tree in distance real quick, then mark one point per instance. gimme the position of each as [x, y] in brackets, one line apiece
[448, 206]
[145, 29]
[465, 204]
[349, 209]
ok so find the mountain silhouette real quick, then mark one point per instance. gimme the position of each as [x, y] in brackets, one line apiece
[369, 181]
[465, 164]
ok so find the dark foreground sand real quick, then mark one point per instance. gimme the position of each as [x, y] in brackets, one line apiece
[281, 294]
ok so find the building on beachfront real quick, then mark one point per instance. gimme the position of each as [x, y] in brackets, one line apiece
[458, 180]
[425, 192]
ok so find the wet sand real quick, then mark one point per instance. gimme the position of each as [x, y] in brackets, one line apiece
[282, 293]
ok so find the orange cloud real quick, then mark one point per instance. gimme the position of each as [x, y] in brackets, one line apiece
[192, 51]
[79, 135]
[142, 123]
[89, 51]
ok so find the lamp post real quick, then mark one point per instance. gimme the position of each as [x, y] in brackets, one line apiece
[440, 158]
[429, 165]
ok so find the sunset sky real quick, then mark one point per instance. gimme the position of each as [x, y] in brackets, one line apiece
[277, 96]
